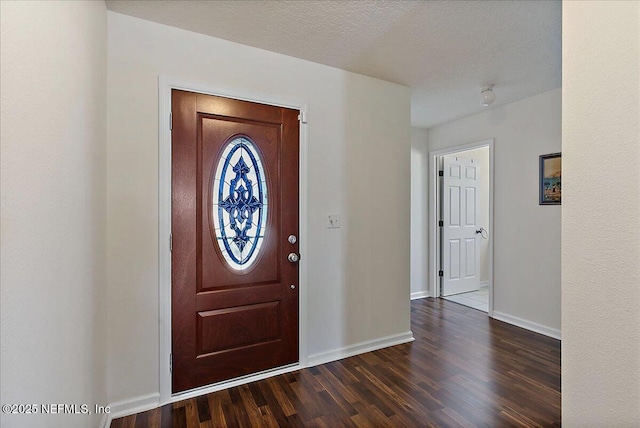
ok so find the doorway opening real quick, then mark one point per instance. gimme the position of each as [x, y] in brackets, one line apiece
[461, 225]
[167, 244]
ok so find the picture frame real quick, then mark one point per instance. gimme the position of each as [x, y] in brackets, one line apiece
[550, 185]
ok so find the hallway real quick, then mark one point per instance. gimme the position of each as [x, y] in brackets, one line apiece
[464, 369]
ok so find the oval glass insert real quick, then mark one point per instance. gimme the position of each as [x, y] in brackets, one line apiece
[239, 203]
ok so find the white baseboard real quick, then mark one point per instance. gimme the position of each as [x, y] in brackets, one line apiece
[105, 422]
[528, 325]
[360, 348]
[419, 295]
[484, 284]
[128, 407]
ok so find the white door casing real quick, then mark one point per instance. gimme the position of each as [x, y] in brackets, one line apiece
[460, 208]
[165, 85]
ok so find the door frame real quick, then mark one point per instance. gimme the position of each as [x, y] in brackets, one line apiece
[165, 85]
[434, 207]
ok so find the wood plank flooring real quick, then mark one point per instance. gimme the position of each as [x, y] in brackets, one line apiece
[463, 370]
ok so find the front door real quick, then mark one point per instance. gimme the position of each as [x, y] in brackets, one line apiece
[460, 210]
[234, 225]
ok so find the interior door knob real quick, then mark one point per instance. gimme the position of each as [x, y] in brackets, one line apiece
[293, 257]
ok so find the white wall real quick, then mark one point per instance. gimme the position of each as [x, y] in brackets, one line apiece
[419, 213]
[526, 235]
[53, 91]
[600, 215]
[358, 151]
[481, 158]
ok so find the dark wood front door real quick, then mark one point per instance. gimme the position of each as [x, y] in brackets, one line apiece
[234, 196]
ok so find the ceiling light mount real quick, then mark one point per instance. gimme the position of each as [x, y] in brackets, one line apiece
[487, 96]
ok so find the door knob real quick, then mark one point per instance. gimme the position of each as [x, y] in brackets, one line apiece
[293, 257]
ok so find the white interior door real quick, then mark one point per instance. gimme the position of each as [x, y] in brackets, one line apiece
[460, 208]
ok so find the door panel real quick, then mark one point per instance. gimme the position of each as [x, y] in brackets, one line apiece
[454, 205]
[470, 258]
[215, 272]
[234, 204]
[471, 206]
[229, 328]
[454, 258]
[460, 259]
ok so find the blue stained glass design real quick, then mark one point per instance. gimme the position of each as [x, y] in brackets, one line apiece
[240, 203]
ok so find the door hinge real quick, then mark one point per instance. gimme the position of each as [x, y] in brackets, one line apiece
[441, 223]
[440, 273]
[170, 121]
[440, 173]
[170, 362]
[170, 242]
[302, 117]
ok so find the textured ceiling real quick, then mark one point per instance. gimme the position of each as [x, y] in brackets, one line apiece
[444, 50]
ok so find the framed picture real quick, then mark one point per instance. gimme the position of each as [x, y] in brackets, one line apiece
[551, 179]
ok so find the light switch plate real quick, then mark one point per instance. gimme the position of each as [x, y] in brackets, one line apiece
[333, 221]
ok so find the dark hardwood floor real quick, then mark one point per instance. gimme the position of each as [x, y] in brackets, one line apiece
[463, 370]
